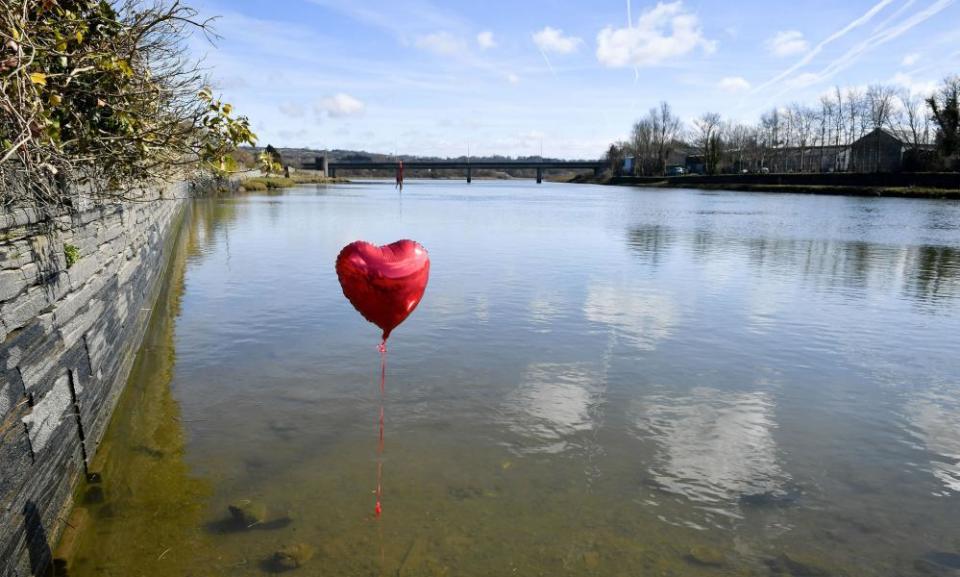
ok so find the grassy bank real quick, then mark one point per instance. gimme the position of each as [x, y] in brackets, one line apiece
[896, 192]
[797, 188]
[262, 183]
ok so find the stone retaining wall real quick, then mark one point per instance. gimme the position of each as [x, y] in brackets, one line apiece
[69, 335]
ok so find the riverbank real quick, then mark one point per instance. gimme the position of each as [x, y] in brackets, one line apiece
[899, 185]
[262, 183]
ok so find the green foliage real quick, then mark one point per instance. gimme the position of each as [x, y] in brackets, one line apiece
[268, 162]
[945, 106]
[274, 154]
[221, 133]
[105, 94]
[72, 253]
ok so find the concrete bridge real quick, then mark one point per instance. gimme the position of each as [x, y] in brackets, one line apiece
[466, 166]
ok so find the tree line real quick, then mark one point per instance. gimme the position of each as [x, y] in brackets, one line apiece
[802, 137]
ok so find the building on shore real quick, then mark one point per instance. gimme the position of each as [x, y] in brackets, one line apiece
[882, 150]
[879, 150]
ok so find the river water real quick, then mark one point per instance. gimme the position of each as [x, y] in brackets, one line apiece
[598, 381]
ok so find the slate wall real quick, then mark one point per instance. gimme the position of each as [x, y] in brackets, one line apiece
[69, 335]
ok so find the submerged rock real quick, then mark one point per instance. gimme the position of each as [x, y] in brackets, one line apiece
[292, 556]
[705, 555]
[248, 512]
[795, 565]
[94, 495]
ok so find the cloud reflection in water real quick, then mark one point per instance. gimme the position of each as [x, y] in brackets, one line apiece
[934, 423]
[715, 448]
[644, 317]
[554, 405]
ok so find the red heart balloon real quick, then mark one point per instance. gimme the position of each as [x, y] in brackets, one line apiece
[384, 283]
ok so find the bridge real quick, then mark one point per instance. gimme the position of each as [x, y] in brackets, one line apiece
[467, 166]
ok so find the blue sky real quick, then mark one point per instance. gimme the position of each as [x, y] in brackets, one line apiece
[434, 78]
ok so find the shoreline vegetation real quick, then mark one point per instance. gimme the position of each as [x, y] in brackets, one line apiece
[867, 190]
[262, 183]
[103, 100]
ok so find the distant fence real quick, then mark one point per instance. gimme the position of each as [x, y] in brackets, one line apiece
[945, 180]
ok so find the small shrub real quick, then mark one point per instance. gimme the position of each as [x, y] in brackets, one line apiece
[267, 182]
[251, 185]
[72, 253]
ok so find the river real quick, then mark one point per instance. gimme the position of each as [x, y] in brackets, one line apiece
[598, 381]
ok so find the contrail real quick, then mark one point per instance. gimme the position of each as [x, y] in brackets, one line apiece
[636, 69]
[852, 55]
[896, 14]
[547, 60]
[867, 16]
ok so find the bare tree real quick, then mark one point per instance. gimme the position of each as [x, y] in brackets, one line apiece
[707, 139]
[880, 101]
[803, 119]
[770, 128]
[838, 125]
[913, 118]
[853, 123]
[825, 120]
[737, 140]
[641, 141]
[838, 116]
[666, 130]
[854, 114]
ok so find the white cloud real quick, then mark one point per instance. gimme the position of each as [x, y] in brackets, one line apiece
[910, 59]
[922, 88]
[442, 43]
[292, 110]
[513, 78]
[734, 84]
[664, 32]
[553, 40]
[788, 43]
[485, 40]
[341, 105]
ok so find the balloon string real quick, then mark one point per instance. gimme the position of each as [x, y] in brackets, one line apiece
[383, 392]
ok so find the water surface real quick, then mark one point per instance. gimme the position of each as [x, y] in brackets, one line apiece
[598, 381]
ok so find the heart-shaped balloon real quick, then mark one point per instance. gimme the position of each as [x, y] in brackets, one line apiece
[384, 283]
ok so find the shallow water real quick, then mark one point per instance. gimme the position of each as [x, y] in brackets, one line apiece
[599, 380]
